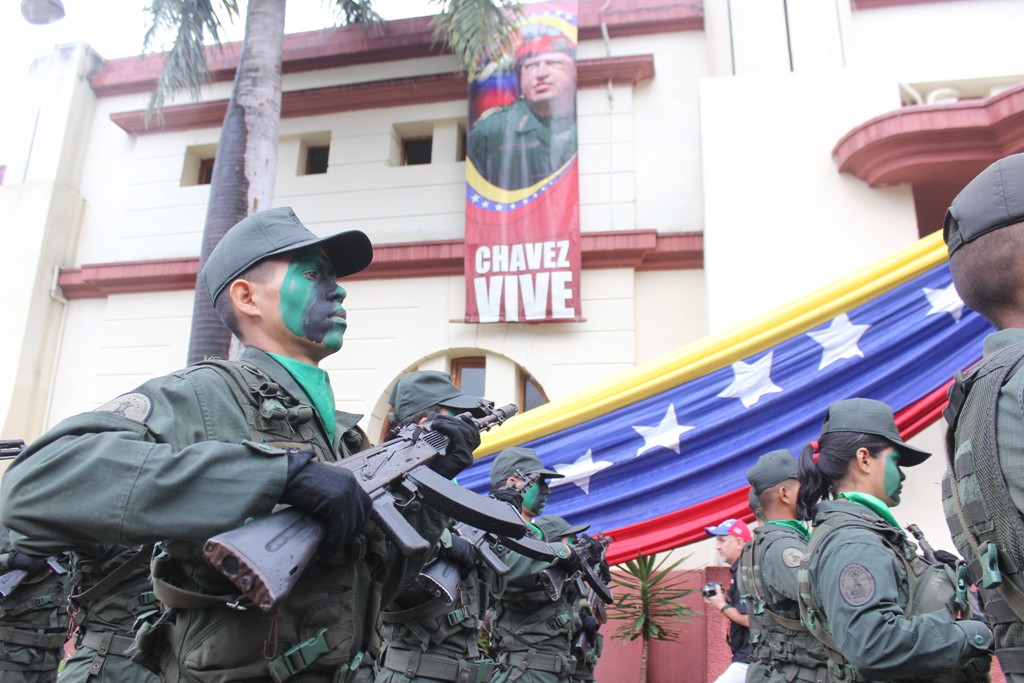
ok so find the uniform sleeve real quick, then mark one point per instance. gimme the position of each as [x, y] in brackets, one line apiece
[781, 563]
[859, 591]
[163, 462]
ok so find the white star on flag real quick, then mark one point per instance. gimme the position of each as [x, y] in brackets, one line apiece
[580, 472]
[751, 381]
[665, 435]
[945, 301]
[839, 341]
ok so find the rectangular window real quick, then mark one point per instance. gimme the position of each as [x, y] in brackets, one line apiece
[205, 176]
[316, 159]
[416, 151]
[470, 374]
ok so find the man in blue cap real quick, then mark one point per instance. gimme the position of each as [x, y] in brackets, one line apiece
[983, 492]
[189, 455]
[730, 537]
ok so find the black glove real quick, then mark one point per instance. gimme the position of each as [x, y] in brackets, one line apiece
[572, 563]
[462, 553]
[587, 622]
[463, 438]
[328, 493]
[18, 560]
[510, 496]
[591, 544]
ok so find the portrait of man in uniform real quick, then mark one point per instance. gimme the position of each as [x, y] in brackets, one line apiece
[527, 141]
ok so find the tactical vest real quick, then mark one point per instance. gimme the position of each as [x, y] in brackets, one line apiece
[440, 632]
[327, 622]
[532, 633]
[987, 528]
[777, 636]
[33, 622]
[110, 598]
[930, 587]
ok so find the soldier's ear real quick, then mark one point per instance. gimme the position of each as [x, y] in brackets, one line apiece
[243, 298]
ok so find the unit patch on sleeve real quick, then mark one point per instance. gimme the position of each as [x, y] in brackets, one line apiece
[792, 556]
[134, 406]
[856, 585]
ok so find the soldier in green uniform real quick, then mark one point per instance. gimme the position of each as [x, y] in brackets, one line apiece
[33, 618]
[882, 611]
[426, 638]
[197, 452]
[983, 491]
[587, 639]
[109, 600]
[531, 632]
[524, 143]
[783, 650]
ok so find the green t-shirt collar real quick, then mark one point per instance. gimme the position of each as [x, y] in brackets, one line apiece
[794, 524]
[872, 503]
[317, 386]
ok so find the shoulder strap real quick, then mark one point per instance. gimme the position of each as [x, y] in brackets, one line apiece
[108, 582]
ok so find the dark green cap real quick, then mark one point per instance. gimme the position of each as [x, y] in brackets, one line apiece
[555, 527]
[423, 389]
[771, 469]
[993, 200]
[278, 231]
[518, 458]
[868, 416]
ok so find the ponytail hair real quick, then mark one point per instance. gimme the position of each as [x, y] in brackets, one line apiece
[821, 470]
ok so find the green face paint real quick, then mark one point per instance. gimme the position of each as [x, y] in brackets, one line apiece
[893, 478]
[536, 498]
[311, 299]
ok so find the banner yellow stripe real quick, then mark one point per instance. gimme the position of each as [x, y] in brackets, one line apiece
[712, 353]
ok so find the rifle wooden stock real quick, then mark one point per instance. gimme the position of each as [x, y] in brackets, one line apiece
[265, 558]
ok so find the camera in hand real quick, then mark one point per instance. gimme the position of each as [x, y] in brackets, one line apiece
[709, 589]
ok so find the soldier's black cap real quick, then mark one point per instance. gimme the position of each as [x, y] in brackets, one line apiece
[278, 231]
[524, 460]
[555, 527]
[993, 200]
[423, 389]
[868, 416]
[771, 469]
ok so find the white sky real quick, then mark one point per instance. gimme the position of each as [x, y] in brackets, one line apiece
[115, 28]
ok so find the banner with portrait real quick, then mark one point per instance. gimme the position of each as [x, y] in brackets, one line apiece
[522, 259]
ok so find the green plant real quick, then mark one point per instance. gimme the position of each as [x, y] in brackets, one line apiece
[652, 597]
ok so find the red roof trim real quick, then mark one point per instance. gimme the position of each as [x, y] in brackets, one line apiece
[638, 249]
[400, 39]
[910, 144]
[375, 94]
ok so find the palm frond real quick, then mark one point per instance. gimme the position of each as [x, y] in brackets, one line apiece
[185, 68]
[356, 12]
[651, 598]
[478, 31]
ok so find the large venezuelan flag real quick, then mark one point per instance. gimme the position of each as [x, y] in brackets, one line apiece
[656, 454]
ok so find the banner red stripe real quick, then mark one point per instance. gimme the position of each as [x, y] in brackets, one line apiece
[686, 526]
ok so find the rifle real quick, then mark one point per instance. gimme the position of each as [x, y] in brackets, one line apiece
[926, 548]
[592, 606]
[9, 581]
[265, 558]
[11, 447]
[553, 578]
[441, 578]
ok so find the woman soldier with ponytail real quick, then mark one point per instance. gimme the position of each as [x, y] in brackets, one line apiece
[882, 612]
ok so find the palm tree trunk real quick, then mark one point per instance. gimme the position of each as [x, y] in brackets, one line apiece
[645, 651]
[246, 163]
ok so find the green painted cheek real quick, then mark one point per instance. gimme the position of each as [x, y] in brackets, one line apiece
[892, 476]
[295, 293]
[535, 499]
